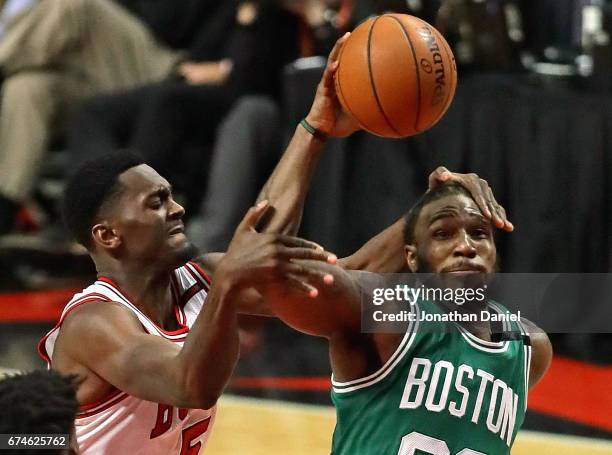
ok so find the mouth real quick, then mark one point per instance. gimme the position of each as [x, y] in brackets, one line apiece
[178, 229]
[464, 269]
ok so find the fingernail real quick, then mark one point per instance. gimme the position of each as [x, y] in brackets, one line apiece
[332, 258]
[328, 279]
[346, 34]
[313, 294]
[262, 204]
[510, 226]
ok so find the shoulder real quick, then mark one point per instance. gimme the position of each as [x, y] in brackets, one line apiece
[97, 319]
[542, 352]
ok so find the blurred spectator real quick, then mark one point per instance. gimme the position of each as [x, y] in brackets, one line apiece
[54, 53]
[39, 402]
[247, 147]
[241, 52]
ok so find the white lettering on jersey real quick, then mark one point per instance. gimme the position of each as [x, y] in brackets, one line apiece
[414, 381]
[435, 389]
[429, 403]
[485, 379]
[452, 408]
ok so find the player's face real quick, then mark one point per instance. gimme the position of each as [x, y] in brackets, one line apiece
[452, 237]
[149, 221]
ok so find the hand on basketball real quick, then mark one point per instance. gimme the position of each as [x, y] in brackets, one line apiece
[260, 260]
[326, 115]
[480, 191]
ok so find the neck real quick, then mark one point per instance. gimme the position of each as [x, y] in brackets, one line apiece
[149, 290]
[481, 329]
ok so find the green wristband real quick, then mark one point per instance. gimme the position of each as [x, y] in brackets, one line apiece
[312, 130]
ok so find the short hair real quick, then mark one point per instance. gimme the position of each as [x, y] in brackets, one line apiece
[92, 184]
[412, 217]
[42, 401]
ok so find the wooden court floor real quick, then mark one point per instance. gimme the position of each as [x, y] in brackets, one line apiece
[265, 427]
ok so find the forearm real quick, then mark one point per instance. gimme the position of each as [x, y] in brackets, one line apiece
[336, 308]
[211, 350]
[383, 253]
[288, 185]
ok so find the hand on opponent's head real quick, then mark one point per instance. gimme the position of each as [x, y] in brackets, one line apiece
[480, 191]
[326, 114]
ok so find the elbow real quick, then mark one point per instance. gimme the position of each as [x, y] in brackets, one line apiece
[205, 402]
[197, 393]
[200, 399]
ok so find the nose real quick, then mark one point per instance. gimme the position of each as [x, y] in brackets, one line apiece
[176, 210]
[464, 247]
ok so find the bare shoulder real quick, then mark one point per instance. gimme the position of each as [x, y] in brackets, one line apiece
[99, 314]
[90, 329]
[89, 336]
[542, 352]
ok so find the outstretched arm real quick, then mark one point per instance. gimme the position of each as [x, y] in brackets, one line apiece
[288, 185]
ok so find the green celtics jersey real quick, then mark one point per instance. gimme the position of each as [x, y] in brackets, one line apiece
[443, 392]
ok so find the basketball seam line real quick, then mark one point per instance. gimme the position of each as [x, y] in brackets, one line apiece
[372, 84]
[418, 73]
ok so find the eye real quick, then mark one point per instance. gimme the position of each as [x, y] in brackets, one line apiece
[441, 234]
[155, 203]
[480, 233]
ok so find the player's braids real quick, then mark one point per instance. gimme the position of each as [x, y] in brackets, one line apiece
[443, 190]
[37, 402]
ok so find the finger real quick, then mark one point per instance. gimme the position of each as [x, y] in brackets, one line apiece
[302, 286]
[309, 273]
[478, 193]
[253, 215]
[508, 226]
[308, 253]
[481, 195]
[440, 175]
[335, 52]
[501, 221]
[289, 240]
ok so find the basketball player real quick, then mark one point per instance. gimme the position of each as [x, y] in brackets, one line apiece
[153, 342]
[439, 388]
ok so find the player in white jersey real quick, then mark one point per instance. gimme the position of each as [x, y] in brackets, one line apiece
[153, 341]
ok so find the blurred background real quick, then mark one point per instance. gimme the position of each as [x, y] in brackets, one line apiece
[209, 92]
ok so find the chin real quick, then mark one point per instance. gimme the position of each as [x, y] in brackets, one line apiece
[185, 253]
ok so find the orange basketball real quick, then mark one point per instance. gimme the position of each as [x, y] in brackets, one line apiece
[396, 75]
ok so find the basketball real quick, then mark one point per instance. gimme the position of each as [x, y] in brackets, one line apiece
[396, 75]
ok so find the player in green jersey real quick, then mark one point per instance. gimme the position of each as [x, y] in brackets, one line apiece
[452, 389]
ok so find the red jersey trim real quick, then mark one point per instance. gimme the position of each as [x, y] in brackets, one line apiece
[189, 293]
[114, 399]
[207, 280]
[183, 330]
[92, 297]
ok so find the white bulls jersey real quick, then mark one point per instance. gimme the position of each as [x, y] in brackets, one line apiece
[121, 423]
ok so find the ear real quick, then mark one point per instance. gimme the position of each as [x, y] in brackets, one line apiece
[105, 237]
[411, 257]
